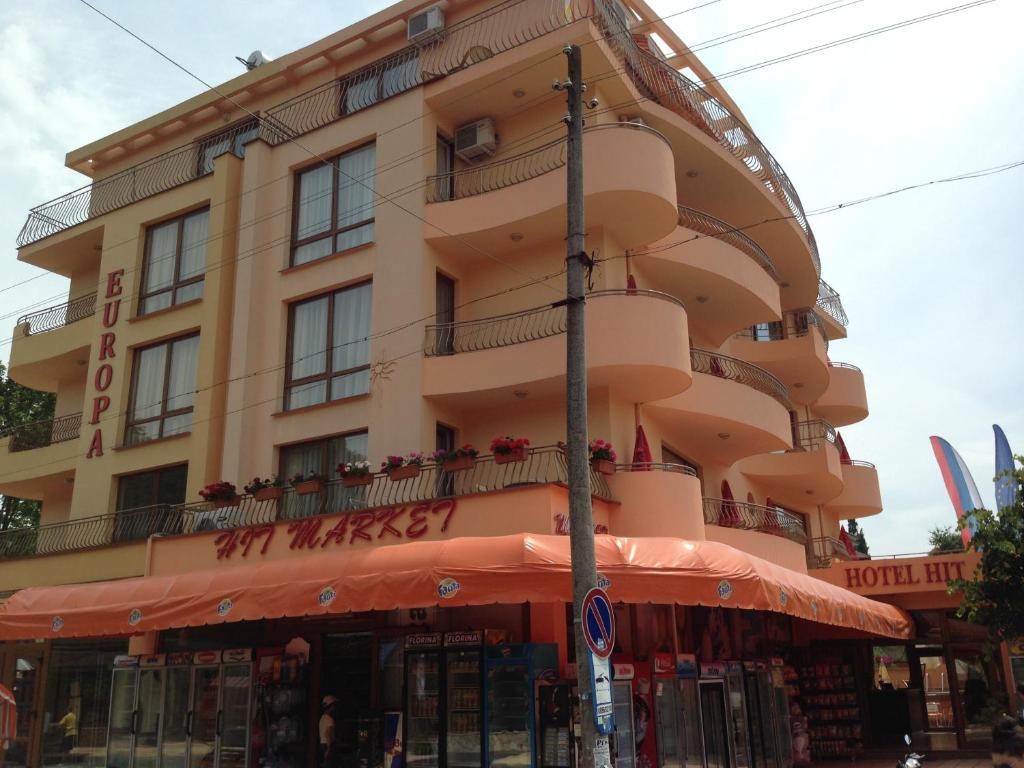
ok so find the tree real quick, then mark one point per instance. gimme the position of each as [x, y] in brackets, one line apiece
[945, 539]
[857, 536]
[20, 405]
[991, 598]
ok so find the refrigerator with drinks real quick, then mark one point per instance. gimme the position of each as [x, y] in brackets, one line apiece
[510, 714]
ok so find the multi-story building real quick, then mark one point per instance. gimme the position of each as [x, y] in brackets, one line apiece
[357, 250]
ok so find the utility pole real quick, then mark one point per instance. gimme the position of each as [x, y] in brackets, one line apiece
[581, 522]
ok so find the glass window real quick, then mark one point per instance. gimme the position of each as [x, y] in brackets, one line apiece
[145, 503]
[323, 457]
[335, 205]
[329, 347]
[175, 262]
[163, 389]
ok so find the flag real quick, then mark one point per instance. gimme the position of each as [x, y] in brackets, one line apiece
[959, 484]
[1006, 486]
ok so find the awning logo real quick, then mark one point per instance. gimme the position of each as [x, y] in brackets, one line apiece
[724, 589]
[326, 596]
[603, 582]
[134, 617]
[57, 624]
[224, 606]
[783, 597]
[447, 588]
[814, 607]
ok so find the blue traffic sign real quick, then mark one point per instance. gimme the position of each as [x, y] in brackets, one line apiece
[598, 621]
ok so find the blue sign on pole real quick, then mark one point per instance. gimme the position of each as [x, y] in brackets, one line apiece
[598, 622]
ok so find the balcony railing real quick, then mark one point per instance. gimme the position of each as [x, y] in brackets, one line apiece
[52, 318]
[656, 466]
[513, 328]
[755, 517]
[830, 304]
[813, 434]
[706, 224]
[824, 549]
[503, 27]
[845, 366]
[659, 81]
[795, 323]
[39, 434]
[856, 463]
[543, 465]
[725, 367]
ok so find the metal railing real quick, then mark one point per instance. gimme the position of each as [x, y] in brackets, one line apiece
[823, 550]
[656, 466]
[847, 366]
[503, 27]
[659, 81]
[856, 463]
[755, 517]
[542, 465]
[39, 434]
[795, 323]
[489, 177]
[706, 224]
[811, 435]
[52, 318]
[512, 328]
[830, 303]
[725, 367]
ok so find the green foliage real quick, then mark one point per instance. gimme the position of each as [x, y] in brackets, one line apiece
[945, 539]
[20, 405]
[857, 537]
[992, 597]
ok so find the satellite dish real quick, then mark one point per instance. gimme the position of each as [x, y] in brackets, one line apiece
[254, 59]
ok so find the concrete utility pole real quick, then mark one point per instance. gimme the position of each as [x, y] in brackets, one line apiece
[581, 530]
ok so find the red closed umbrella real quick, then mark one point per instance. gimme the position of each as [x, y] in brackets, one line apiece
[630, 285]
[641, 450]
[847, 542]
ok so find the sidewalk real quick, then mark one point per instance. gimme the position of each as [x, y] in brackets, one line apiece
[874, 762]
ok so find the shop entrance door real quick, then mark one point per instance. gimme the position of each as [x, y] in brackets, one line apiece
[936, 699]
[21, 671]
[715, 724]
[762, 726]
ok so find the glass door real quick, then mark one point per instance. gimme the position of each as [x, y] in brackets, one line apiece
[463, 748]
[123, 688]
[762, 750]
[423, 690]
[666, 718]
[625, 746]
[738, 716]
[174, 742]
[204, 716]
[690, 705]
[233, 718]
[715, 723]
[147, 717]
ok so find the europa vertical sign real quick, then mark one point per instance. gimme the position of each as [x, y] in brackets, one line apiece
[104, 375]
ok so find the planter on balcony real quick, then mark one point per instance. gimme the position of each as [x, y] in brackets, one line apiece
[516, 454]
[306, 487]
[233, 501]
[354, 481]
[458, 465]
[603, 466]
[268, 494]
[404, 473]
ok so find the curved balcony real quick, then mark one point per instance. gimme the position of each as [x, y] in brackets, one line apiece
[795, 350]
[824, 550]
[656, 500]
[861, 496]
[769, 532]
[829, 308]
[39, 457]
[810, 473]
[726, 279]
[52, 344]
[636, 345]
[845, 400]
[629, 189]
[732, 410]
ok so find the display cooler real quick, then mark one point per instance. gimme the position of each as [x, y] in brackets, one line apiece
[676, 714]
[768, 711]
[716, 730]
[511, 679]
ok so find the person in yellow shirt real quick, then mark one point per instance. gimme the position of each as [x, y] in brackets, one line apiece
[69, 723]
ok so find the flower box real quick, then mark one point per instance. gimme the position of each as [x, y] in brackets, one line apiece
[404, 473]
[354, 481]
[603, 466]
[232, 501]
[458, 464]
[269, 494]
[306, 487]
[516, 454]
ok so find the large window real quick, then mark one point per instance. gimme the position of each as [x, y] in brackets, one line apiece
[145, 503]
[163, 388]
[323, 457]
[329, 347]
[334, 205]
[175, 262]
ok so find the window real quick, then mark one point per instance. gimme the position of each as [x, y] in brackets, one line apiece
[334, 205]
[364, 89]
[175, 262]
[323, 457]
[445, 182]
[329, 347]
[444, 307]
[163, 386]
[231, 139]
[144, 503]
[668, 456]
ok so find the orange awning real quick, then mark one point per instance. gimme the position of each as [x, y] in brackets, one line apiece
[465, 571]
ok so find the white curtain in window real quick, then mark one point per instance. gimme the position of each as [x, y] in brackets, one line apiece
[163, 241]
[356, 184]
[314, 202]
[193, 244]
[360, 94]
[182, 384]
[309, 339]
[149, 382]
[352, 327]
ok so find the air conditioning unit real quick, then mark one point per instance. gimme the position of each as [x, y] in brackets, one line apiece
[425, 24]
[635, 120]
[475, 140]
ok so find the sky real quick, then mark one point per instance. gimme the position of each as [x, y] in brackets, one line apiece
[931, 279]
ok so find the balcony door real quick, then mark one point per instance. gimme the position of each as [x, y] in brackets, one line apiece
[445, 309]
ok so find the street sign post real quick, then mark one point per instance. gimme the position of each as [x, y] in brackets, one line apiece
[598, 621]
